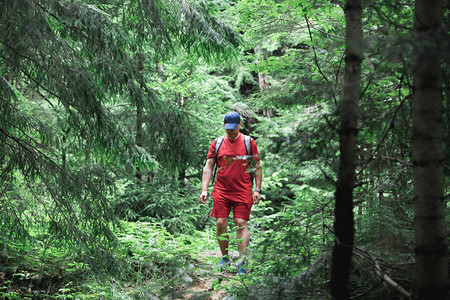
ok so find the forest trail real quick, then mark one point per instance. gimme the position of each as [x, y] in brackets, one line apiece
[207, 285]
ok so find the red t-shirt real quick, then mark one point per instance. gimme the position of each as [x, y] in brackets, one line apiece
[233, 172]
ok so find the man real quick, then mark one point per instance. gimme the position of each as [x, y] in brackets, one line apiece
[233, 186]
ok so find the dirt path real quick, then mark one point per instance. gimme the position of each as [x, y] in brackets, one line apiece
[204, 287]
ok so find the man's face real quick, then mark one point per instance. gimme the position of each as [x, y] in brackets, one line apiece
[233, 133]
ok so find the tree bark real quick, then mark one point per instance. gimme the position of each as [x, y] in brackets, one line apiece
[139, 122]
[427, 110]
[344, 223]
[262, 82]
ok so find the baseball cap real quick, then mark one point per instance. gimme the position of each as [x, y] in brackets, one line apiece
[232, 120]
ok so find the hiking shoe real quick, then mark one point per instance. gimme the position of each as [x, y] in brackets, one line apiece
[240, 266]
[225, 262]
[240, 272]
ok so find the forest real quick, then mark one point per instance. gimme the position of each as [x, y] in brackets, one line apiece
[108, 109]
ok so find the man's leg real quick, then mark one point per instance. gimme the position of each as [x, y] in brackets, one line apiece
[242, 234]
[221, 228]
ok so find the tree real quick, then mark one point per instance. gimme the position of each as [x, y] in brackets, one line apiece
[429, 205]
[343, 225]
[73, 60]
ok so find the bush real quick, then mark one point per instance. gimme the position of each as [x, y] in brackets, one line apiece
[162, 201]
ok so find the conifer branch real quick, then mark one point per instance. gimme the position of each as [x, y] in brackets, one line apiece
[316, 62]
[391, 125]
[59, 20]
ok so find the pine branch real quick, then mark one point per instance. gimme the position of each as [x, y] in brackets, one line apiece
[391, 125]
[38, 161]
[77, 30]
[316, 61]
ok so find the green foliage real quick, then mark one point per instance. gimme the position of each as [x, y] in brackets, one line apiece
[301, 59]
[64, 63]
[162, 201]
[53, 60]
[71, 74]
[149, 262]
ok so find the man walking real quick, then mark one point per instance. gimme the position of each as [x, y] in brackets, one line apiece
[236, 165]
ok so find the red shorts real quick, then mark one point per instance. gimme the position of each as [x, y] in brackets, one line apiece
[222, 204]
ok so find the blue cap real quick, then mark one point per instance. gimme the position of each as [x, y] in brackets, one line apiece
[232, 120]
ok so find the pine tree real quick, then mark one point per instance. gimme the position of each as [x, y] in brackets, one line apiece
[429, 206]
[62, 64]
[344, 224]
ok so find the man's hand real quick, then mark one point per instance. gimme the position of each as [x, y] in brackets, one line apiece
[206, 178]
[203, 197]
[256, 197]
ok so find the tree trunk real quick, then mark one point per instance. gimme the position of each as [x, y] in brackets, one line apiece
[344, 224]
[427, 110]
[139, 108]
[262, 82]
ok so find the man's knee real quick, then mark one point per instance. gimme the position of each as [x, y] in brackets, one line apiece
[222, 222]
[240, 223]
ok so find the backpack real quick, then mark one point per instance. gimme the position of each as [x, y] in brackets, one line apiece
[248, 148]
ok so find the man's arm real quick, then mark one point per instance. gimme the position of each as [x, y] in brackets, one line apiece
[206, 178]
[258, 181]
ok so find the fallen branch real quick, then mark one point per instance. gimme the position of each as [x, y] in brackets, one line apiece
[382, 274]
[368, 291]
[291, 287]
[312, 269]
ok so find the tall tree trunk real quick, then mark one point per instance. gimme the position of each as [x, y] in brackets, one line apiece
[139, 108]
[427, 110]
[262, 82]
[344, 224]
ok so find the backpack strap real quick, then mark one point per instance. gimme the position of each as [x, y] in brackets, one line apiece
[247, 141]
[219, 141]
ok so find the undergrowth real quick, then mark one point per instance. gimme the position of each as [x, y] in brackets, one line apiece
[150, 263]
[284, 262]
